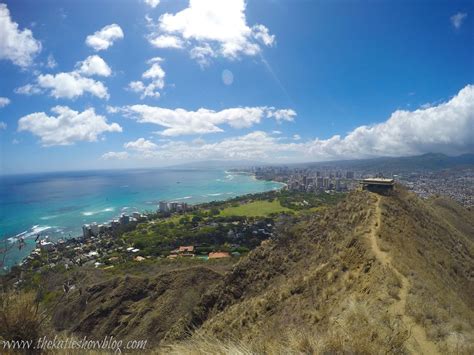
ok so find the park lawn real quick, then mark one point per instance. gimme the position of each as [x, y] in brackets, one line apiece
[255, 209]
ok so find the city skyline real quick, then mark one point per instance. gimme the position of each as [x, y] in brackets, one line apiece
[154, 83]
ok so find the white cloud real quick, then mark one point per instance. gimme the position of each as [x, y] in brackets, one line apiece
[3, 125]
[211, 28]
[155, 72]
[105, 37]
[51, 62]
[202, 54]
[18, 46]
[115, 156]
[28, 89]
[458, 19]
[71, 85]
[282, 115]
[166, 41]
[262, 33]
[296, 137]
[112, 109]
[446, 128]
[4, 101]
[141, 145]
[181, 122]
[152, 3]
[93, 65]
[155, 76]
[67, 127]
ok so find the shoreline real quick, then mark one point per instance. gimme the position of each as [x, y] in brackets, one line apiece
[74, 238]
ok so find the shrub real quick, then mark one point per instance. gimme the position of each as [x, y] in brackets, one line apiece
[20, 316]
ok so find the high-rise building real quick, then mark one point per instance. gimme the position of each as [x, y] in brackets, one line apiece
[86, 231]
[326, 183]
[164, 206]
[319, 182]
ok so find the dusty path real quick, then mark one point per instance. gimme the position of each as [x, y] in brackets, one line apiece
[418, 342]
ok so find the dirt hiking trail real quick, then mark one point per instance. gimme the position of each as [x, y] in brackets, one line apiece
[418, 342]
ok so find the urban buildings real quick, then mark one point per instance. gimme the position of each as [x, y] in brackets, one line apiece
[172, 206]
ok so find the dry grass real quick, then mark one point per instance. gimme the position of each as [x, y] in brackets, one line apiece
[20, 317]
[355, 331]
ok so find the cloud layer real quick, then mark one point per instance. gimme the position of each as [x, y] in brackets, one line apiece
[211, 28]
[182, 122]
[67, 127]
[445, 128]
[18, 46]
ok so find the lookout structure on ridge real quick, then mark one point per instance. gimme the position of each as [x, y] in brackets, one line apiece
[378, 185]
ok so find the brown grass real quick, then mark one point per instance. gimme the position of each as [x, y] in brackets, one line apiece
[20, 317]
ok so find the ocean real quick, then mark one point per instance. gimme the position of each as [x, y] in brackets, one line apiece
[58, 204]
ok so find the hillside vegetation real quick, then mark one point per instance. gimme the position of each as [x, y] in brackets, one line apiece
[375, 274]
[371, 275]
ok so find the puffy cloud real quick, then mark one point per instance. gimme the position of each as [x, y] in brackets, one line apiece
[93, 65]
[166, 41]
[155, 72]
[115, 156]
[105, 37]
[71, 85]
[296, 137]
[181, 122]
[262, 33]
[211, 28]
[156, 80]
[152, 3]
[458, 19]
[446, 128]
[18, 46]
[67, 127]
[3, 125]
[282, 115]
[4, 101]
[140, 145]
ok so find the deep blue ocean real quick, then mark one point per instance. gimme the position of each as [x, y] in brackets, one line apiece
[58, 204]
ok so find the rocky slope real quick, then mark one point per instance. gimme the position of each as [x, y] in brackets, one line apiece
[133, 307]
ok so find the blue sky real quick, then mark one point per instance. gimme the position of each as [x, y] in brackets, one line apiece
[106, 84]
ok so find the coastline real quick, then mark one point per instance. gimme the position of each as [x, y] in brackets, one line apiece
[254, 177]
[16, 256]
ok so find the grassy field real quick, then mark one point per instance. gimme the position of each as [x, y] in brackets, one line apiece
[255, 209]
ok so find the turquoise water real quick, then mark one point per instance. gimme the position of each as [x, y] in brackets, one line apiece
[58, 204]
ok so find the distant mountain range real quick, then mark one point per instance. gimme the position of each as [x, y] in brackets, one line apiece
[429, 161]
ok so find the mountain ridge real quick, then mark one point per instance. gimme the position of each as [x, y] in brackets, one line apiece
[347, 265]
